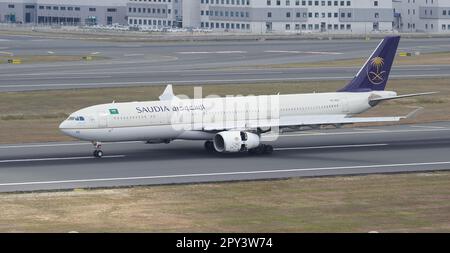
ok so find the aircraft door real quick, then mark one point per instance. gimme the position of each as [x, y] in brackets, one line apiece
[102, 120]
[344, 104]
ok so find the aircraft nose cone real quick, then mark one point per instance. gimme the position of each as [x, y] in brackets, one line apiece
[63, 126]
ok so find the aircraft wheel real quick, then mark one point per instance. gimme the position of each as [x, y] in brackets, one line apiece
[261, 149]
[209, 146]
[256, 151]
[268, 149]
[98, 153]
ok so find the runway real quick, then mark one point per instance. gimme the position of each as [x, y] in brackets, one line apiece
[59, 80]
[326, 152]
[200, 63]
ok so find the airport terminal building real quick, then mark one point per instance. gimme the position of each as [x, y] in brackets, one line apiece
[247, 16]
[154, 13]
[63, 12]
[262, 16]
[429, 16]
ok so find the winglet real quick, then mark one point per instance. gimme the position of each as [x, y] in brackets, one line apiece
[413, 113]
[167, 94]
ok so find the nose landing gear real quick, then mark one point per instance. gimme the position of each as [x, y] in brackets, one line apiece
[98, 153]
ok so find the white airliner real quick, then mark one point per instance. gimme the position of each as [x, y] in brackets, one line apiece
[236, 124]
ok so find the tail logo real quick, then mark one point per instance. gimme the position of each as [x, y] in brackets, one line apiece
[374, 71]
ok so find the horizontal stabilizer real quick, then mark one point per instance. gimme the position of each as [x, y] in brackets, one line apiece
[402, 96]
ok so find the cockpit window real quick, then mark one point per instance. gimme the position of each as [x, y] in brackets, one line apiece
[79, 118]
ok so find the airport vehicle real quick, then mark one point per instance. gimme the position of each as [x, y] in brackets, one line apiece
[236, 124]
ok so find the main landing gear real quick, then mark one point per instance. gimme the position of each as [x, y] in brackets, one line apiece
[98, 153]
[209, 146]
[261, 149]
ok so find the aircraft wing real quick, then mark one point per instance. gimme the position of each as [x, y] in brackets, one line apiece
[289, 121]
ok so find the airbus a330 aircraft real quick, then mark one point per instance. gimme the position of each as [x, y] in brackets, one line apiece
[236, 124]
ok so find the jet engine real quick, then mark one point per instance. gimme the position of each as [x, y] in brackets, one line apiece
[235, 141]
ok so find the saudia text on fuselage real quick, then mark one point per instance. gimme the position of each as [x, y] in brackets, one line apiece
[164, 108]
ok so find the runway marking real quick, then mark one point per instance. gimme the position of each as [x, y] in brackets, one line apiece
[63, 144]
[43, 145]
[224, 173]
[55, 78]
[128, 55]
[363, 132]
[337, 146]
[122, 84]
[369, 129]
[432, 127]
[302, 52]
[235, 73]
[96, 72]
[307, 133]
[58, 159]
[215, 52]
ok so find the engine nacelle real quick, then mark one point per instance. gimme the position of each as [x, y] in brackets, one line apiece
[235, 141]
